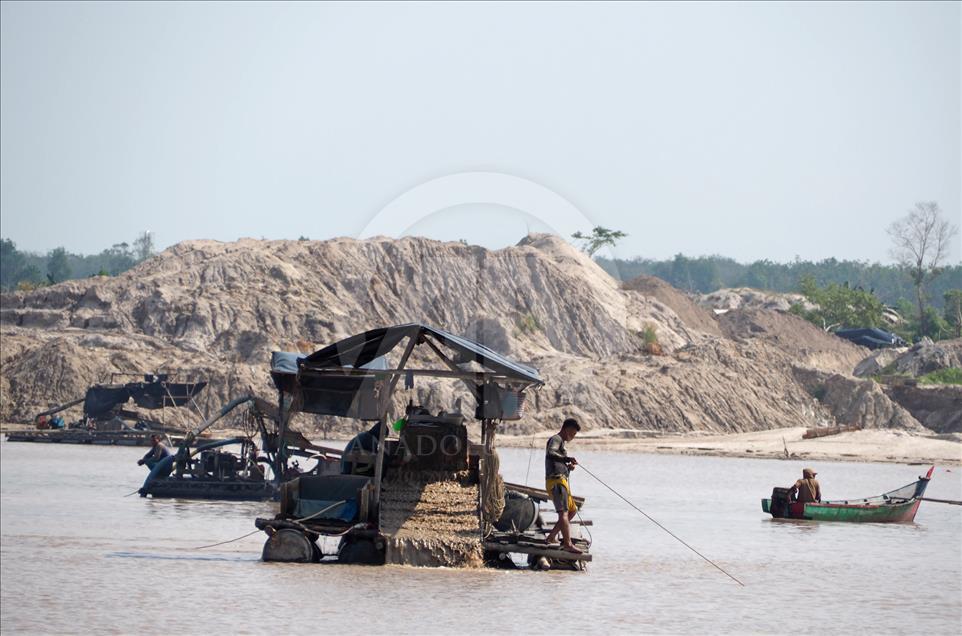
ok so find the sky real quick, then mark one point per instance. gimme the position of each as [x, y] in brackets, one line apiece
[755, 130]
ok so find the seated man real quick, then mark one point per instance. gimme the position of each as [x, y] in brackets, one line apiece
[806, 489]
[156, 453]
[365, 441]
[254, 470]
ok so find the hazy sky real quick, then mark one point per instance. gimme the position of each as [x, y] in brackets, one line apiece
[755, 130]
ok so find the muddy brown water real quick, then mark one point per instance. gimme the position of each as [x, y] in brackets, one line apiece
[77, 556]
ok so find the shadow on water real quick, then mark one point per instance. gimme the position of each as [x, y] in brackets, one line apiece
[808, 525]
[796, 525]
[178, 557]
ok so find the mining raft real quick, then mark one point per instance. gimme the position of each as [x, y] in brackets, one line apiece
[203, 468]
[412, 489]
[107, 419]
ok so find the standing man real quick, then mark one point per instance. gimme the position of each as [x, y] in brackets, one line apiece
[557, 467]
[156, 453]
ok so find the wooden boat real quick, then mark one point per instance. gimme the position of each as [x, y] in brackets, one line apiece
[896, 506]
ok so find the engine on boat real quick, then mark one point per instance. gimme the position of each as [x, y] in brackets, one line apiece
[218, 464]
[780, 501]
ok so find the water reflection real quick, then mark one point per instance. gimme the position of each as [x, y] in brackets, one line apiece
[61, 531]
[173, 557]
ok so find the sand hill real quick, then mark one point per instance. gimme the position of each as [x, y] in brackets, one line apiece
[219, 309]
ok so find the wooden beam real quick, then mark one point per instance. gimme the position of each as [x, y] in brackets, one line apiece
[478, 376]
[551, 553]
[382, 432]
[538, 494]
[62, 407]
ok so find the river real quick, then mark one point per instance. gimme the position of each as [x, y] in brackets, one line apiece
[78, 556]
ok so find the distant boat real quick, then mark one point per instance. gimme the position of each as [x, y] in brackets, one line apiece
[896, 506]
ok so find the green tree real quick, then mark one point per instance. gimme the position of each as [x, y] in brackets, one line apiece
[117, 258]
[12, 263]
[921, 241]
[838, 306]
[952, 312]
[144, 246]
[599, 237]
[57, 268]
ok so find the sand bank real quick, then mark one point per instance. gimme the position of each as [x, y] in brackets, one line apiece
[873, 445]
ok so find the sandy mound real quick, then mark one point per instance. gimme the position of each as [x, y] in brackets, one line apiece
[747, 298]
[219, 309]
[855, 402]
[938, 408]
[876, 362]
[806, 344]
[45, 369]
[926, 357]
[691, 313]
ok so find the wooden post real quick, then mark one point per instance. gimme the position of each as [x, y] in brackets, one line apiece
[281, 432]
[472, 386]
[382, 415]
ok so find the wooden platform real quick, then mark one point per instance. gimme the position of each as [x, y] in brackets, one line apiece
[103, 438]
[107, 438]
[522, 546]
[538, 494]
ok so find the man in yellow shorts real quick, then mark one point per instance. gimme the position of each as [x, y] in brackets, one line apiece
[557, 467]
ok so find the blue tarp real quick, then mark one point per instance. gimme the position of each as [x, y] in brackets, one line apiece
[871, 337]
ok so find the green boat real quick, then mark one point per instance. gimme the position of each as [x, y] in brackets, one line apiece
[896, 506]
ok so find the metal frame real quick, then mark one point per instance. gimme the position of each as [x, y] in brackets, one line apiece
[474, 380]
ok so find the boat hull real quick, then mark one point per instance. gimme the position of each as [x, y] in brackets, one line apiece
[889, 513]
[193, 488]
[896, 506]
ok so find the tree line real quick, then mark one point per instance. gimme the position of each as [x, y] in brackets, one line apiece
[922, 287]
[28, 270]
[705, 274]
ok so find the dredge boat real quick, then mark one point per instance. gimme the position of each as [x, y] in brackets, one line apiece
[428, 496]
[896, 506]
[107, 421]
[207, 469]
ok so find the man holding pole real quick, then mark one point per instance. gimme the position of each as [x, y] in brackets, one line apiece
[557, 467]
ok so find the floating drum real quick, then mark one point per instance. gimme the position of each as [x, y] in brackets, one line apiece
[360, 551]
[520, 513]
[289, 546]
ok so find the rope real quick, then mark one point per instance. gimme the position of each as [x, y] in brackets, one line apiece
[719, 568]
[212, 545]
[228, 541]
[333, 505]
[528, 472]
[591, 539]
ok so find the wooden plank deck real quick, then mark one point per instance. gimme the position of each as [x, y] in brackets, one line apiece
[538, 494]
[537, 550]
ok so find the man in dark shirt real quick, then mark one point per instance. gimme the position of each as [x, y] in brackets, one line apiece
[557, 467]
[156, 453]
[365, 441]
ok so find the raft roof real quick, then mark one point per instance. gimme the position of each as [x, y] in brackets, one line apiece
[362, 349]
[340, 379]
